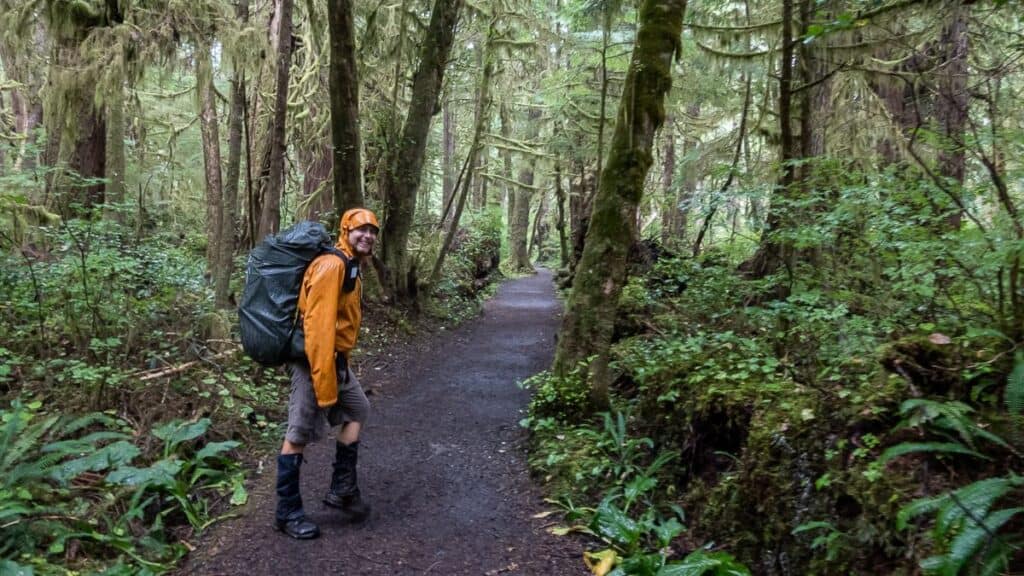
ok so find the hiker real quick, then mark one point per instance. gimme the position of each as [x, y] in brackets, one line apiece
[323, 385]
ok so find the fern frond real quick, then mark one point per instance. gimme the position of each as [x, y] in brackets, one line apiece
[931, 447]
[25, 442]
[919, 507]
[100, 418]
[1013, 396]
[971, 538]
[972, 500]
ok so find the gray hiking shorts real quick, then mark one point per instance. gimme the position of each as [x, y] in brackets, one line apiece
[306, 419]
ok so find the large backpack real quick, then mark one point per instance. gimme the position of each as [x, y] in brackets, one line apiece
[269, 314]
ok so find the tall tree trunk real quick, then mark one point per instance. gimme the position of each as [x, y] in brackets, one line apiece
[447, 158]
[88, 157]
[232, 174]
[401, 178]
[115, 161]
[670, 211]
[563, 244]
[589, 317]
[540, 228]
[271, 180]
[210, 132]
[506, 164]
[344, 92]
[26, 104]
[482, 118]
[951, 103]
[519, 227]
[772, 252]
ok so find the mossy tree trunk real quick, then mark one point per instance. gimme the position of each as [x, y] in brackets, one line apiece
[481, 119]
[344, 93]
[447, 157]
[773, 253]
[952, 101]
[115, 162]
[670, 211]
[506, 166]
[587, 325]
[401, 178]
[271, 179]
[232, 172]
[519, 225]
[210, 132]
[563, 243]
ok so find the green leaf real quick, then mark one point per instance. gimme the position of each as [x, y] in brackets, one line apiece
[161, 474]
[215, 448]
[977, 498]
[175, 432]
[932, 447]
[971, 538]
[919, 507]
[701, 563]
[239, 495]
[638, 486]
[613, 524]
[11, 568]
[667, 531]
[110, 456]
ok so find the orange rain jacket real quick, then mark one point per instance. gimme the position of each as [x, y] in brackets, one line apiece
[331, 317]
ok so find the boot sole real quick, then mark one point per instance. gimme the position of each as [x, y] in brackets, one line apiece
[311, 536]
[353, 516]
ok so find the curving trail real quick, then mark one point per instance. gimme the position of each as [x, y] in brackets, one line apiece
[442, 462]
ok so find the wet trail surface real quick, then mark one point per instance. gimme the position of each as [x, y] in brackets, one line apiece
[442, 463]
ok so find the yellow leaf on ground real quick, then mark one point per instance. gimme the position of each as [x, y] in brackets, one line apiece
[600, 563]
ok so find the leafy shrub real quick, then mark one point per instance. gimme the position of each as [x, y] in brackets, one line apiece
[64, 479]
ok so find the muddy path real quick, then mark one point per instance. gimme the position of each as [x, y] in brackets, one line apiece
[442, 462]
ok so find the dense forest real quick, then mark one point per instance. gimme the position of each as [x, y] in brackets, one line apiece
[788, 234]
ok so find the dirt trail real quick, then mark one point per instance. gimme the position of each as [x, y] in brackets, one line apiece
[442, 462]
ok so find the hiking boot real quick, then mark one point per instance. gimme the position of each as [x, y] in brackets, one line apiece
[290, 517]
[344, 491]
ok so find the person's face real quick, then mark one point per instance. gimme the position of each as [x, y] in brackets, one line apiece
[362, 239]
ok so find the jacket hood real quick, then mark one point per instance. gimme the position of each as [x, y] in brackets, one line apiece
[352, 219]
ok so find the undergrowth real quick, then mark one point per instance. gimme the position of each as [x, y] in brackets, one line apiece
[825, 432]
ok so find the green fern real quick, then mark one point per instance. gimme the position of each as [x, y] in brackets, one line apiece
[947, 418]
[965, 520]
[1014, 394]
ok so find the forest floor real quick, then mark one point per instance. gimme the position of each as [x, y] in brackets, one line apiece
[442, 463]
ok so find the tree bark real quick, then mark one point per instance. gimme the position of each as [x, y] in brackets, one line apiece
[481, 120]
[271, 180]
[401, 178]
[563, 244]
[589, 318]
[671, 213]
[344, 93]
[773, 253]
[210, 132]
[447, 157]
[519, 227]
[951, 103]
[115, 161]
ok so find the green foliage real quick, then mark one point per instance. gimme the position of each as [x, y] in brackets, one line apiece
[62, 479]
[612, 462]
[967, 528]
[561, 398]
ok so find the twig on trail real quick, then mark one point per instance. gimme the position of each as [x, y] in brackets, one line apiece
[367, 558]
[146, 376]
[432, 566]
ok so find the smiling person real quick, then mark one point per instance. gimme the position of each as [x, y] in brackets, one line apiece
[323, 386]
